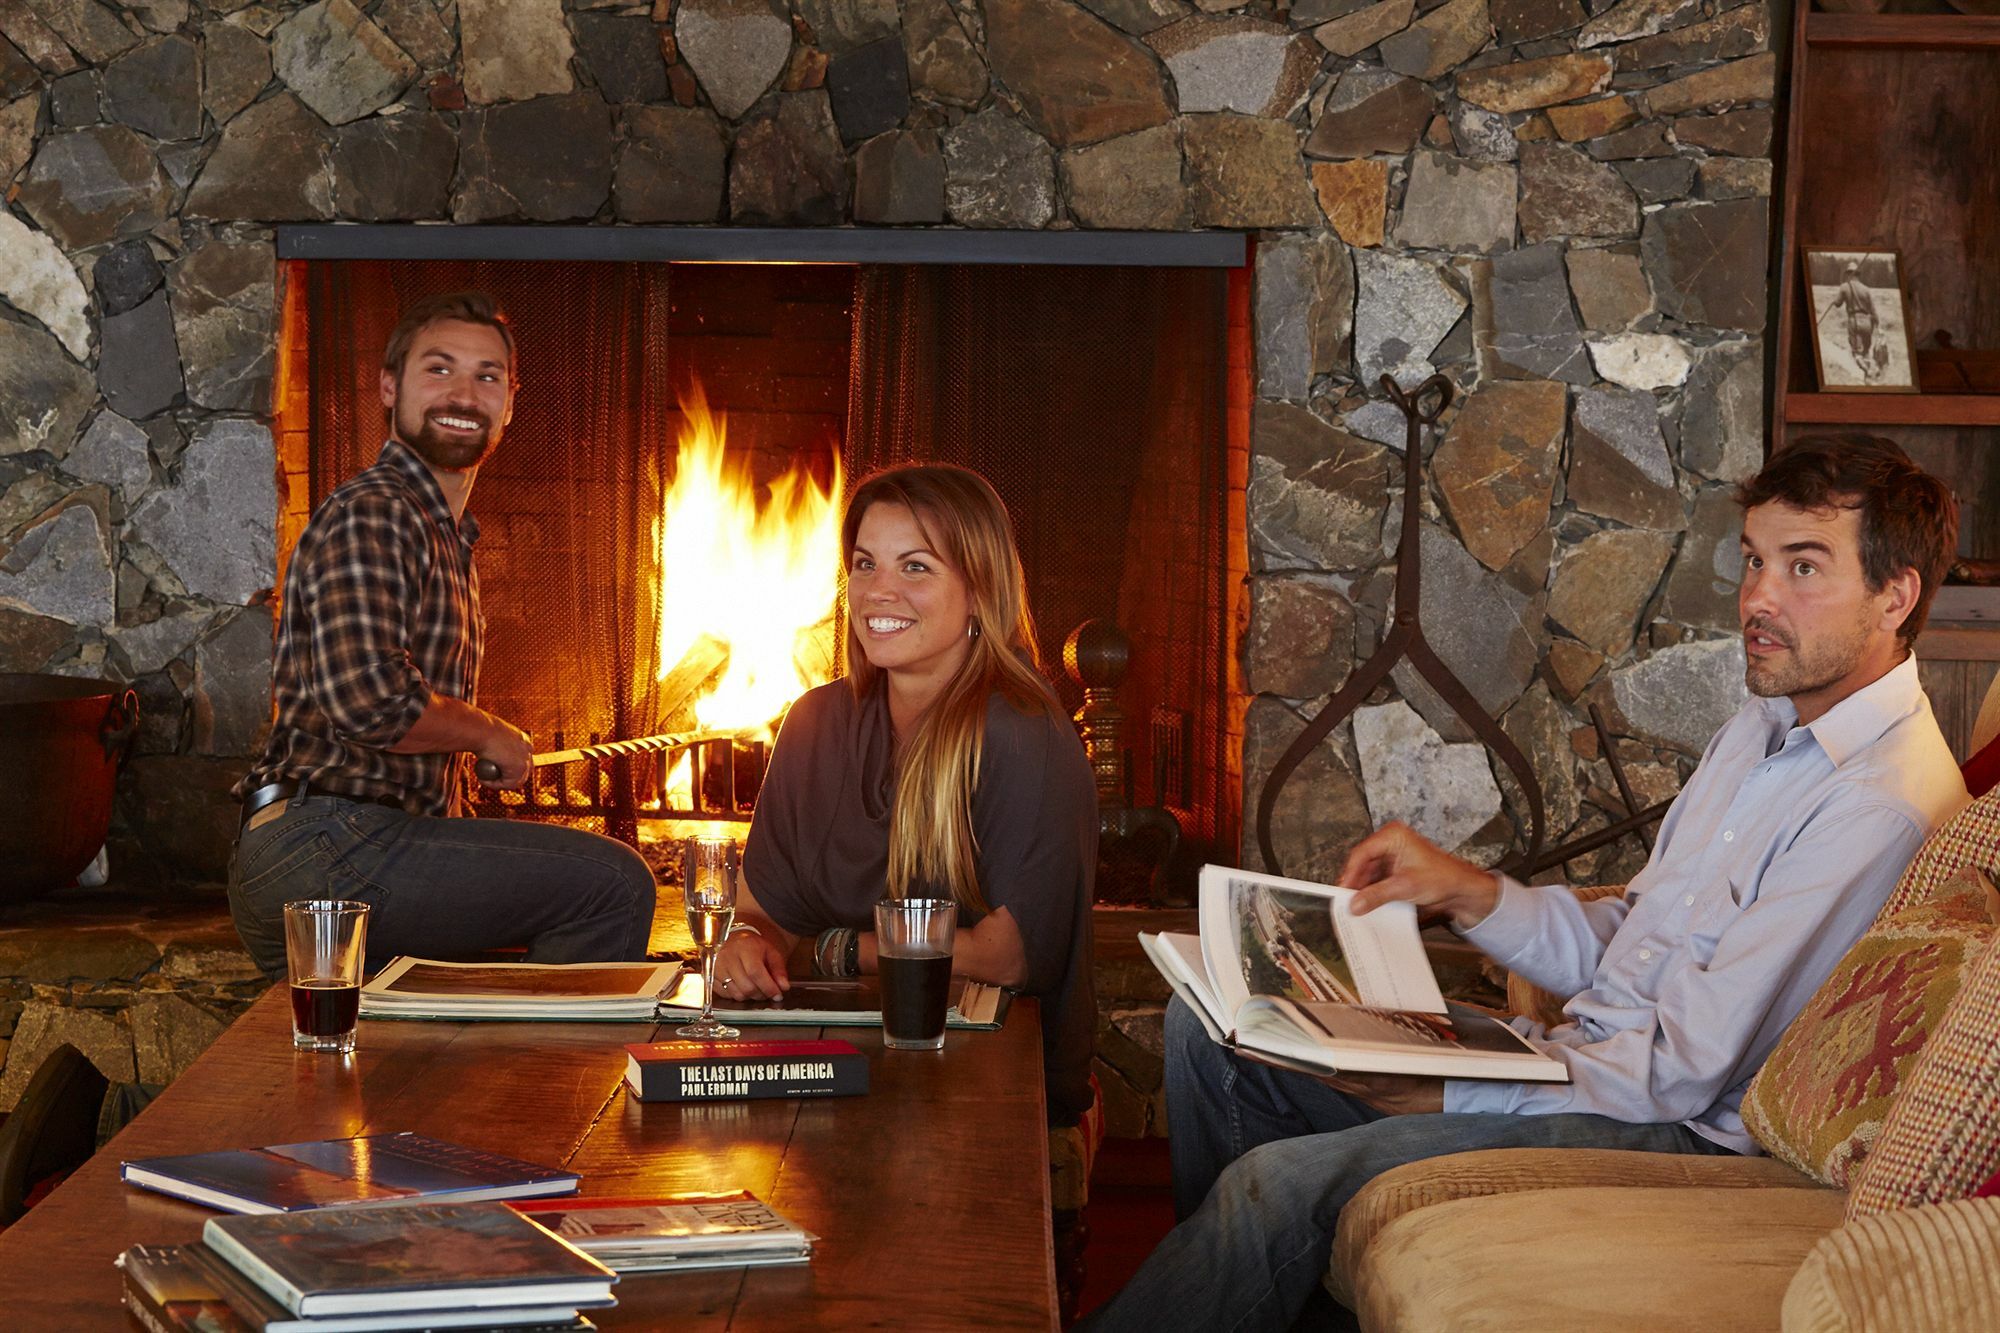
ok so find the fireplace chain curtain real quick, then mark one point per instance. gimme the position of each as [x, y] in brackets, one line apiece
[567, 505]
[1093, 399]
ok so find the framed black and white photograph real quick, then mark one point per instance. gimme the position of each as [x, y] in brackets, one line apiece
[1860, 321]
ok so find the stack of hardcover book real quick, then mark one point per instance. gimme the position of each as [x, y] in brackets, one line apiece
[343, 1270]
[382, 1231]
[404, 1232]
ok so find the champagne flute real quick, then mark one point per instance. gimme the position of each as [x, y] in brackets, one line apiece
[708, 888]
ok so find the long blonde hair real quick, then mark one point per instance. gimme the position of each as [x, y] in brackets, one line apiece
[964, 521]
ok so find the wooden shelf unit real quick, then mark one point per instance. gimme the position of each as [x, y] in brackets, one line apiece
[1892, 141]
[1927, 32]
[1893, 409]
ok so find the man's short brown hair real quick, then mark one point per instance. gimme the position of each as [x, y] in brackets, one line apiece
[1909, 519]
[467, 307]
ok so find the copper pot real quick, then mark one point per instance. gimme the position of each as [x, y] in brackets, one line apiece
[61, 740]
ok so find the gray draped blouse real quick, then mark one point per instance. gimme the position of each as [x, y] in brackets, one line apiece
[818, 850]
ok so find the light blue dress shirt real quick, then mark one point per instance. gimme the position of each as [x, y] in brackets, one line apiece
[1771, 863]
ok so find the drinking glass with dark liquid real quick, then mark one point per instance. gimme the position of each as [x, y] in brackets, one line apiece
[325, 942]
[708, 890]
[913, 944]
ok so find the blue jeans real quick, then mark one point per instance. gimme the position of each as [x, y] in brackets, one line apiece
[1264, 1160]
[442, 888]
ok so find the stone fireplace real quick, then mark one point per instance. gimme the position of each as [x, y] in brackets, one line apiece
[1093, 396]
[1563, 205]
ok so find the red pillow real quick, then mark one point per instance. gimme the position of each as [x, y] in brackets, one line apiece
[1982, 771]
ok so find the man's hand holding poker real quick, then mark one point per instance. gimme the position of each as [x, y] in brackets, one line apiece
[508, 748]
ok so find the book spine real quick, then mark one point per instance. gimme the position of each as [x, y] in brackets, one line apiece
[166, 1292]
[843, 1075]
[148, 1314]
[250, 1265]
[246, 1298]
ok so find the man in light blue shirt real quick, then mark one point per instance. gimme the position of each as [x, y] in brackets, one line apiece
[1771, 863]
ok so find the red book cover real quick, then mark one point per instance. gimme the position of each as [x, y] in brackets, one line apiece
[687, 1071]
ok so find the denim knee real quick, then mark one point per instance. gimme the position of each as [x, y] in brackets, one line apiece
[1276, 1187]
[634, 873]
[628, 884]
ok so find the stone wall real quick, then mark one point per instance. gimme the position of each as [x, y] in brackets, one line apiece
[138, 983]
[1563, 207]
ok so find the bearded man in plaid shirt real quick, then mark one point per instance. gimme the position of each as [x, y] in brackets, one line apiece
[360, 792]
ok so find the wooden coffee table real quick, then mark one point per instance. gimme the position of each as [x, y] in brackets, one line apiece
[930, 1194]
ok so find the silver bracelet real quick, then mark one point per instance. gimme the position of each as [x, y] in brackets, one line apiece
[832, 951]
[741, 928]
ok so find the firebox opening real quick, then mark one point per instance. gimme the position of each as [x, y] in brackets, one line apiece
[1103, 403]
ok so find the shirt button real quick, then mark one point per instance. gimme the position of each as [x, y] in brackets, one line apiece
[1729, 835]
[1689, 900]
[1645, 955]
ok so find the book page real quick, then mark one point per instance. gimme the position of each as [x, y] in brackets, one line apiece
[1385, 956]
[1334, 1038]
[1178, 958]
[1264, 935]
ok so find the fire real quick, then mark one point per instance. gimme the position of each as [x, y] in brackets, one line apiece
[760, 577]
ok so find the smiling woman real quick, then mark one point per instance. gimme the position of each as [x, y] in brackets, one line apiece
[941, 766]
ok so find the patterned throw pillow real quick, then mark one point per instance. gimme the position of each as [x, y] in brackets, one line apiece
[1942, 1137]
[1820, 1101]
[1969, 838]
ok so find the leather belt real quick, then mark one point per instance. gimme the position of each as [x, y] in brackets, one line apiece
[286, 788]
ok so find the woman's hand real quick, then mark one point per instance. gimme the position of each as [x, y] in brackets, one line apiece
[750, 967]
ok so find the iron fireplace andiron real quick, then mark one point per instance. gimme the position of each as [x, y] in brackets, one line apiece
[1135, 843]
[1405, 640]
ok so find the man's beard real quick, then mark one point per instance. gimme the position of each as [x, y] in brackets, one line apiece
[453, 453]
[1804, 669]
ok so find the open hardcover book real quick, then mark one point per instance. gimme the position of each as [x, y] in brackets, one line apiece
[1285, 971]
[607, 992]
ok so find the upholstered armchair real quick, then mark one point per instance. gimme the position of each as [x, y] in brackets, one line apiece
[1880, 1110]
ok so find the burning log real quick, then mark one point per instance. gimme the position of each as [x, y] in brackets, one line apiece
[693, 675]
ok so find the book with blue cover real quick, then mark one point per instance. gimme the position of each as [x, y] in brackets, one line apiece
[332, 1173]
[423, 1257]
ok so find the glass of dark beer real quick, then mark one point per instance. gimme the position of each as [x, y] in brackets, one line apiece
[913, 939]
[325, 939]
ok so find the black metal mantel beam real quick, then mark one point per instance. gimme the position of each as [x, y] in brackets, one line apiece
[768, 245]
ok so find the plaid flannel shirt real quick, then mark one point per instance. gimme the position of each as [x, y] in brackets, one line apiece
[380, 612]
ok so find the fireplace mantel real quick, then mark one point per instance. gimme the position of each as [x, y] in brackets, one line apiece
[771, 245]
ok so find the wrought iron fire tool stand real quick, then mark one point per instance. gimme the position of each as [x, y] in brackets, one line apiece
[1405, 641]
